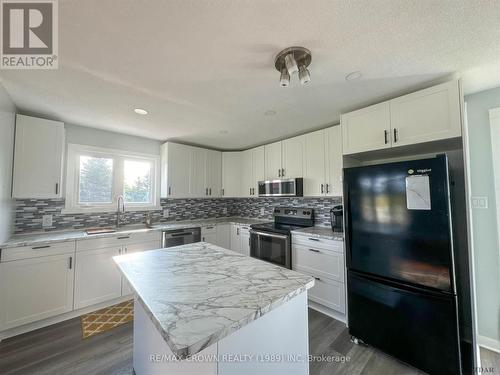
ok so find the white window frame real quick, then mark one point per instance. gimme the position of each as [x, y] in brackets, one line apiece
[119, 156]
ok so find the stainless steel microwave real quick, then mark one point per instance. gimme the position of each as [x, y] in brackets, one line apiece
[291, 187]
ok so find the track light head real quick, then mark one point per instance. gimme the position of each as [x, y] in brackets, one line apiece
[284, 78]
[304, 75]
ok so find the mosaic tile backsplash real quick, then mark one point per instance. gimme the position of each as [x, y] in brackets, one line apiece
[29, 212]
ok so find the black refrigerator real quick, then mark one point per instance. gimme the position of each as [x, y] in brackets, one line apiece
[400, 267]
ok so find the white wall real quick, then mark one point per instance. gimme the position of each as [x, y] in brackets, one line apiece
[7, 127]
[484, 221]
[100, 138]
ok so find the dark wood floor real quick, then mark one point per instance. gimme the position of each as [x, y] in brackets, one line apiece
[59, 349]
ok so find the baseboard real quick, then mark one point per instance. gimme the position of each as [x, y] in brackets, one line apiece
[327, 311]
[488, 343]
[11, 332]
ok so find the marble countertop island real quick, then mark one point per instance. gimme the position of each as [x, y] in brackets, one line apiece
[199, 293]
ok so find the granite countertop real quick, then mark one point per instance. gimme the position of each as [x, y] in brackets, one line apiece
[320, 232]
[199, 293]
[42, 238]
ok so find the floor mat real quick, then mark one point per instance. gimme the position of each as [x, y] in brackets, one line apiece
[108, 318]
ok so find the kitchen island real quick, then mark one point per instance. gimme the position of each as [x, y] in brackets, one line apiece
[203, 309]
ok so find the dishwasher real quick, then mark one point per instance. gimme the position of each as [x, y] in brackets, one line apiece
[176, 237]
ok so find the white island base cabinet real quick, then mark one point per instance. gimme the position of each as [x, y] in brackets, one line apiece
[276, 343]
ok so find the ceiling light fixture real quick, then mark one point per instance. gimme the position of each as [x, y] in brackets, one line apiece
[140, 111]
[353, 75]
[292, 60]
[284, 78]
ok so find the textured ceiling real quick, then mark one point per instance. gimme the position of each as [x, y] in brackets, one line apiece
[202, 67]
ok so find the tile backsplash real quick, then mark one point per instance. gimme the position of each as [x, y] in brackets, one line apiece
[29, 212]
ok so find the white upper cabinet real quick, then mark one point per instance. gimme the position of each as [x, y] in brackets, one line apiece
[273, 161]
[367, 129]
[314, 164]
[334, 165]
[213, 173]
[293, 157]
[190, 172]
[258, 167]
[38, 158]
[175, 170]
[427, 115]
[247, 183]
[231, 174]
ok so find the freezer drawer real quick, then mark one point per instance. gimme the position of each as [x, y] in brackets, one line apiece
[414, 326]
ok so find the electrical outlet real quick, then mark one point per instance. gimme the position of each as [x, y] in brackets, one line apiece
[46, 221]
[262, 211]
[224, 210]
[480, 203]
[166, 213]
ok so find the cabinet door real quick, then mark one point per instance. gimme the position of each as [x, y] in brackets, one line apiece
[293, 157]
[235, 238]
[231, 174]
[224, 235]
[427, 115]
[210, 238]
[38, 158]
[35, 289]
[197, 184]
[97, 278]
[314, 164]
[247, 173]
[136, 248]
[259, 168]
[366, 129]
[245, 240]
[213, 173]
[333, 137]
[273, 160]
[176, 160]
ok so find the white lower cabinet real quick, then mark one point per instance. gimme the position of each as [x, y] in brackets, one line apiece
[324, 260]
[235, 238]
[209, 234]
[245, 240]
[36, 288]
[97, 278]
[136, 248]
[224, 235]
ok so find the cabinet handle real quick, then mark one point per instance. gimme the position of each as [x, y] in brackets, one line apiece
[70, 262]
[40, 247]
[250, 191]
[203, 239]
[57, 188]
[126, 250]
[222, 192]
[209, 227]
[210, 191]
[322, 189]
[313, 239]
[123, 237]
[315, 251]
[327, 188]
[317, 278]
[386, 133]
[119, 251]
[395, 135]
[238, 231]
[279, 172]
[282, 172]
[169, 190]
[206, 191]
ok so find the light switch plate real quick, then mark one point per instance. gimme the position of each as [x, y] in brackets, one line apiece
[224, 210]
[46, 221]
[262, 211]
[480, 203]
[166, 213]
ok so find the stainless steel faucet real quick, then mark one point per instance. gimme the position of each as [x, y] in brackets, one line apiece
[120, 210]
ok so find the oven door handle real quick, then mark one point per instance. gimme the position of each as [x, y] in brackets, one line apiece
[267, 234]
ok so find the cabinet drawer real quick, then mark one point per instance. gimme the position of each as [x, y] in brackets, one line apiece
[26, 252]
[329, 293]
[210, 229]
[322, 263]
[318, 243]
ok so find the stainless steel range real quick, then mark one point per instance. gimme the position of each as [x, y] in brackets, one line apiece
[272, 241]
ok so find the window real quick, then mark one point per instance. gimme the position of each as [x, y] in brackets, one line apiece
[96, 177]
